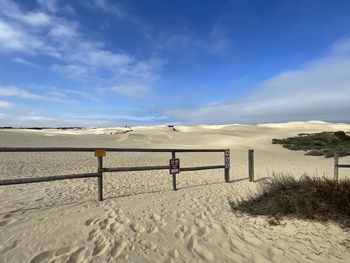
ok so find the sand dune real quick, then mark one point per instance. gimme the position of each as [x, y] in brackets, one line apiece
[142, 219]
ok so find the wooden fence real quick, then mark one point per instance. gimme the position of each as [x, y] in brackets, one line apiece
[101, 152]
[337, 166]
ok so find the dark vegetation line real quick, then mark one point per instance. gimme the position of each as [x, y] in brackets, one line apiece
[313, 198]
[318, 144]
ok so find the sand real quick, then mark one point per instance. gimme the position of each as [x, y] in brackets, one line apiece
[141, 218]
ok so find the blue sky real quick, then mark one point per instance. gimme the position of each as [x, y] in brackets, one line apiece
[107, 63]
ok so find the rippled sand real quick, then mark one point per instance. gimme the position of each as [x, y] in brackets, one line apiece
[141, 218]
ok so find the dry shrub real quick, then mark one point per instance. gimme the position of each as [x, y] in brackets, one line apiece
[318, 144]
[313, 198]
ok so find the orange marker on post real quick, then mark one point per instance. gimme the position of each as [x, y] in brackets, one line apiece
[100, 153]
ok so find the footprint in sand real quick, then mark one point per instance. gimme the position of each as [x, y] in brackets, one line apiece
[203, 231]
[12, 217]
[101, 246]
[116, 227]
[43, 257]
[193, 246]
[119, 248]
[182, 232]
[137, 227]
[65, 254]
[123, 219]
[7, 247]
[90, 222]
[174, 253]
[148, 245]
[7, 222]
[156, 217]
[80, 255]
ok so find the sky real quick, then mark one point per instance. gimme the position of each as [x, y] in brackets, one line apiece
[99, 63]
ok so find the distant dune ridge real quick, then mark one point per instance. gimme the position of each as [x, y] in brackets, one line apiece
[141, 218]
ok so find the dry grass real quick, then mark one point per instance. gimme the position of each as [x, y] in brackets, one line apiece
[318, 199]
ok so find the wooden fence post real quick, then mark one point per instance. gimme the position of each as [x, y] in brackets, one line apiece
[227, 166]
[251, 165]
[100, 178]
[173, 156]
[336, 168]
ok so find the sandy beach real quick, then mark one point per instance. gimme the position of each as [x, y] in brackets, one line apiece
[142, 219]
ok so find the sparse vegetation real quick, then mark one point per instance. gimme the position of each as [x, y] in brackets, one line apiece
[318, 144]
[318, 199]
[172, 127]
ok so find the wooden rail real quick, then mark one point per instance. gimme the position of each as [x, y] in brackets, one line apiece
[337, 166]
[73, 149]
[46, 178]
[101, 152]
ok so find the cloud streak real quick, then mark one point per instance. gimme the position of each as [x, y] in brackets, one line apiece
[6, 105]
[53, 94]
[319, 90]
[44, 32]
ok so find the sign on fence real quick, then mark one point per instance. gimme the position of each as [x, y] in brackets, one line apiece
[100, 153]
[174, 166]
[227, 159]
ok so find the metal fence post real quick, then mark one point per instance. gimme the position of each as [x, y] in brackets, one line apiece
[100, 178]
[227, 166]
[251, 165]
[173, 156]
[336, 168]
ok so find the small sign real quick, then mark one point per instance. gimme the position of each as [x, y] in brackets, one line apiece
[100, 153]
[227, 159]
[174, 166]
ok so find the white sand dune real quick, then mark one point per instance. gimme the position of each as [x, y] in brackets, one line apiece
[141, 218]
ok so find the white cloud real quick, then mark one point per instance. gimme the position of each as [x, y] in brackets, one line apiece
[14, 91]
[219, 40]
[42, 33]
[13, 38]
[132, 90]
[135, 81]
[34, 119]
[6, 104]
[74, 71]
[92, 55]
[34, 19]
[11, 10]
[63, 31]
[37, 119]
[22, 61]
[52, 94]
[16, 37]
[188, 44]
[50, 5]
[114, 9]
[82, 94]
[319, 90]
[49, 34]
[146, 71]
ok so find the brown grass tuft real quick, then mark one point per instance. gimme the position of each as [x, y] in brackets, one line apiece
[317, 198]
